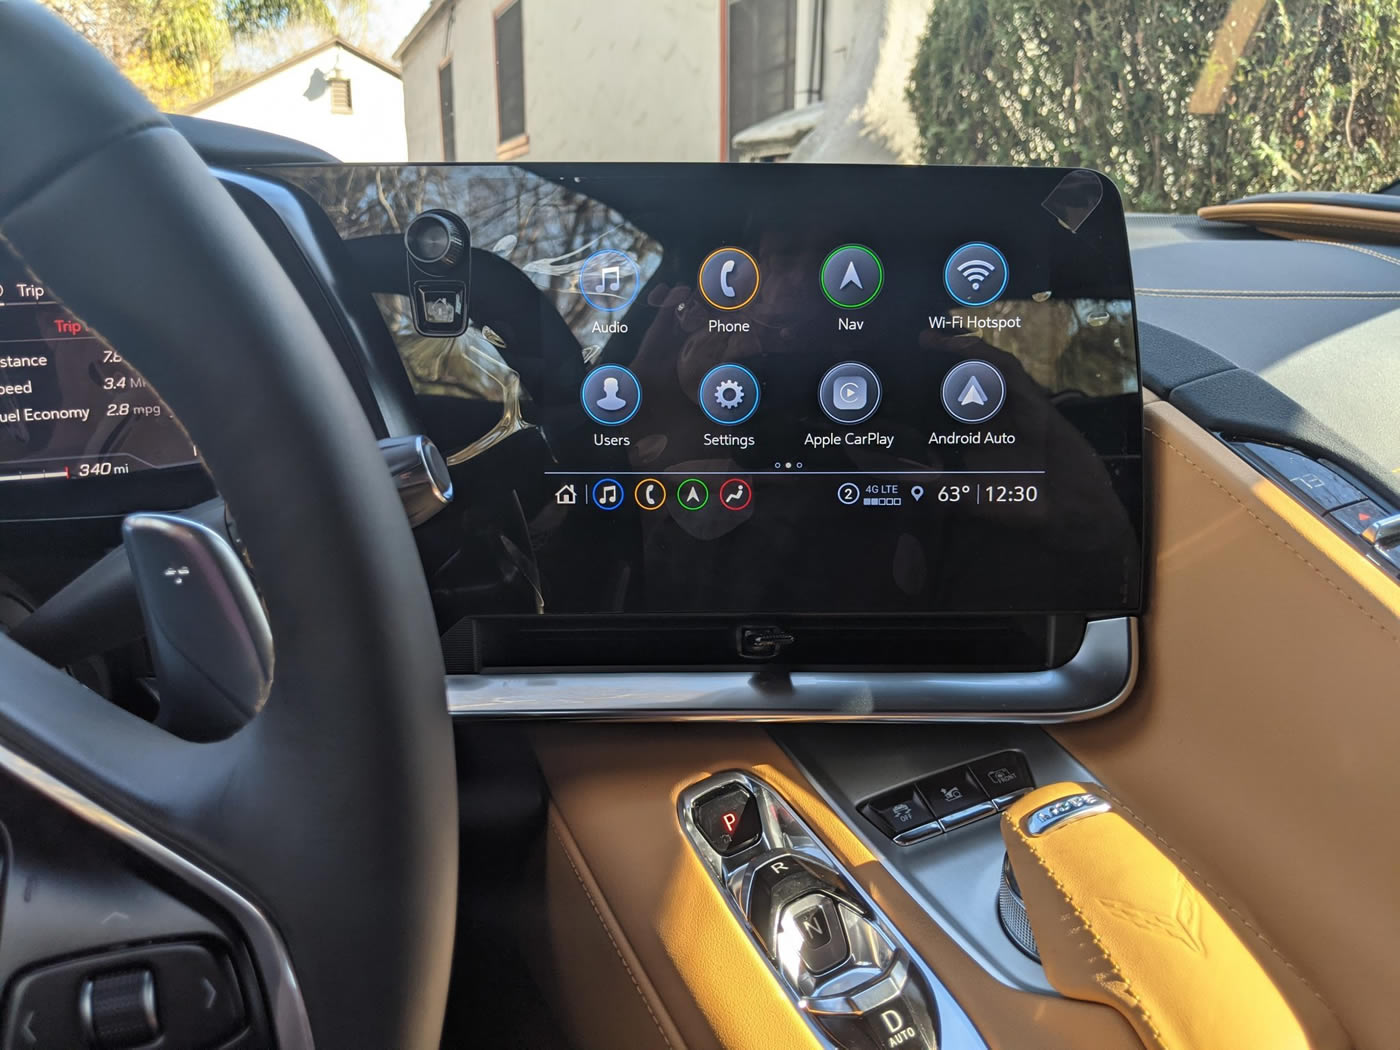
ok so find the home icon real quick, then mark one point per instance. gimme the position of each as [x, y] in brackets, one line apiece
[566, 496]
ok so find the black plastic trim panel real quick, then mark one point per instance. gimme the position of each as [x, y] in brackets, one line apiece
[1236, 402]
[1098, 678]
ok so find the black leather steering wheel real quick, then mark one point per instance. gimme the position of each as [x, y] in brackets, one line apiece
[334, 810]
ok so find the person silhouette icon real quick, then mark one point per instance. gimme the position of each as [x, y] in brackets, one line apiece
[611, 395]
[610, 402]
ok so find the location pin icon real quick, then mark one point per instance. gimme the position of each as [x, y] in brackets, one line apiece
[917, 492]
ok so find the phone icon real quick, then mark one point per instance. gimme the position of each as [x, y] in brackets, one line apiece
[728, 278]
[724, 272]
[650, 494]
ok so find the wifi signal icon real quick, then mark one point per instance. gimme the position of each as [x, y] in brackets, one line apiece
[976, 274]
[976, 271]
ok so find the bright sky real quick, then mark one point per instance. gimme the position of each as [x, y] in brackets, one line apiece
[390, 21]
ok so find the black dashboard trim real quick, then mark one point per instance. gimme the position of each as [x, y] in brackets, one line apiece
[1093, 682]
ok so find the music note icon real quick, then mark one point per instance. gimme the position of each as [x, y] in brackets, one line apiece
[615, 272]
[607, 494]
[609, 280]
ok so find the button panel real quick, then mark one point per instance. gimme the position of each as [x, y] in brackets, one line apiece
[846, 969]
[950, 798]
[185, 990]
[1357, 515]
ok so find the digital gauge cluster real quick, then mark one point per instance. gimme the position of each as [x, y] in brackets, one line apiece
[70, 407]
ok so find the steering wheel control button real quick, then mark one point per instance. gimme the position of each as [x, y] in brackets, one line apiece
[955, 797]
[692, 494]
[611, 395]
[650, 494]
[849, 393]
[973, 392]
[607, 493]
[976, 274]
[902, 815]
[119, 1009]
[440, 308]
[1005, 776]
[182, 994]
[729, 394]
[609, 280]
[729, 278]
[735, 494]
[852, 276]
[728, 819]
[813, 924]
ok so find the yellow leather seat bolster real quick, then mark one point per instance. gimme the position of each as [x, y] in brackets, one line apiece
[1118, 923]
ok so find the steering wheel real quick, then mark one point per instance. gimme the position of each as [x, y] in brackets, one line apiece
[334, 811]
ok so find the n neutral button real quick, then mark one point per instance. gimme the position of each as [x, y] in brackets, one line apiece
[813, 924]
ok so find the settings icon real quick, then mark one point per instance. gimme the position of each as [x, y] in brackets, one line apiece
[729, 393]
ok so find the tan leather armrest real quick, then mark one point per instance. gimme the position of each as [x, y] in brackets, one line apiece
[1118, 923]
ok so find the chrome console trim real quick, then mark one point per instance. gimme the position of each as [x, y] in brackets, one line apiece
[1093, 682]
[286, 1008]
[783, 831]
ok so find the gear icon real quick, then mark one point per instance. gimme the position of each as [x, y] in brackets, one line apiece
[729, 393]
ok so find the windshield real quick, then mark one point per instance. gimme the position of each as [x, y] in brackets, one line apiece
[1183, 102]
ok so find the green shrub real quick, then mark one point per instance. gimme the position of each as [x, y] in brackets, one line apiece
[1313, 103]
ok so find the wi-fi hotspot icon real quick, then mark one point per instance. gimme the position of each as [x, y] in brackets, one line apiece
[976, 274]
[976, 271]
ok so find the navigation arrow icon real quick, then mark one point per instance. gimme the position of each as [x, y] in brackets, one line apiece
[973, 394]
[851, 277]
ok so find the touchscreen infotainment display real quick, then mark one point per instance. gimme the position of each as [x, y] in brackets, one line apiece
[768, 389]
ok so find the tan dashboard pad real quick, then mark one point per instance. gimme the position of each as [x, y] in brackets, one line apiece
[1259, 747]
[616, 789]
[1117, 922]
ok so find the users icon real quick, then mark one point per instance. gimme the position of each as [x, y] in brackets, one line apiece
[611, 395]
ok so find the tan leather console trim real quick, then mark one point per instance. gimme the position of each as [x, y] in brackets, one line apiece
[1262, 739]
[616, 788]
[589, 973]
[1294, 218]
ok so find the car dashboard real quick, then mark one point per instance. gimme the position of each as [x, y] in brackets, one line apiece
[714, 458]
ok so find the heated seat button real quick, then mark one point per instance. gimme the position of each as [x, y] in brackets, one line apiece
[955, 797]
[728, 818]
[1006, 776]
[901, 814]
[813, 925]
